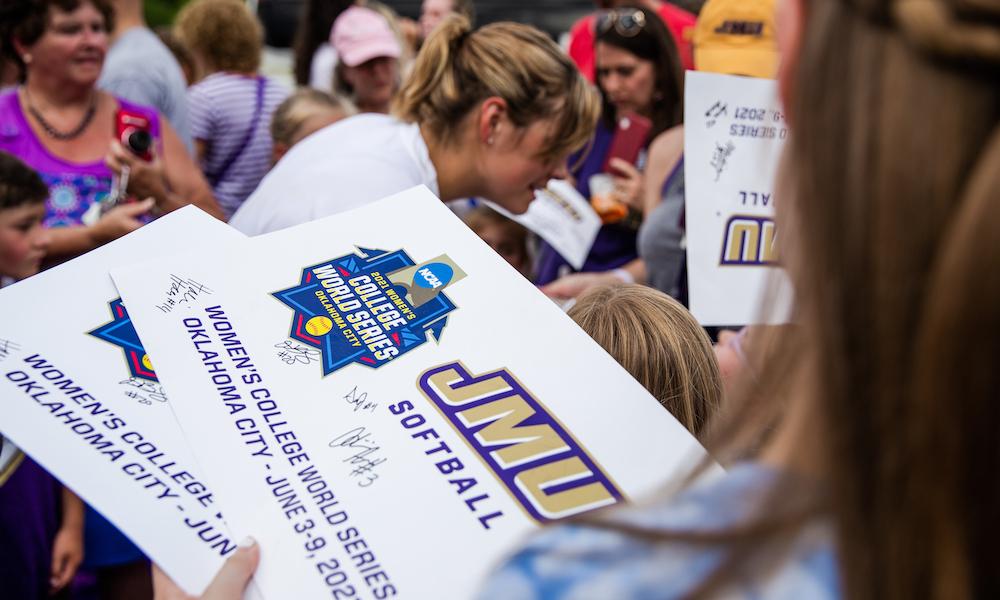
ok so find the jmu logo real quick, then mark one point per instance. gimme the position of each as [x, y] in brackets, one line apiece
[120, 332]
[370, 307]
[749, 241]
[541, 464]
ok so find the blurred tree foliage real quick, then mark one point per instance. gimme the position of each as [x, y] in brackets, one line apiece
[162, 12]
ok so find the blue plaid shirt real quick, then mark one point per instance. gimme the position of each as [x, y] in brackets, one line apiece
[580, 561]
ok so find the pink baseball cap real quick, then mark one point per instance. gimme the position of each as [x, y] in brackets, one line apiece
[360, 34]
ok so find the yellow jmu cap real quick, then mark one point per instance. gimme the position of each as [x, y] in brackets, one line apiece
[736, 37]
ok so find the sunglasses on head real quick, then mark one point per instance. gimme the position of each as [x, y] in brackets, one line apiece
[626, 22]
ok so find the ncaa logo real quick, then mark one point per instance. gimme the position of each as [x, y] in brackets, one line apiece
[434, 275]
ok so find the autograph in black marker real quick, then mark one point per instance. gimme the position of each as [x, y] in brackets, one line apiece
[181, 291]
[364, 460]
[360, 401]
[6, 347]
[292, 353]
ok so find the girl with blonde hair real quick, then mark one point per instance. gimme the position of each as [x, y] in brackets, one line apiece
[302, 114]
[231, 103]
[659, 343]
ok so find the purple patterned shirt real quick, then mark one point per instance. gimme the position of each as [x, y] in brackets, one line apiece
[73, 187]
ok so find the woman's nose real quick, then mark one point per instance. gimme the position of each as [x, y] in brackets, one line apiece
[612, 84]
[93, 36]
[42, 238]
[560, 171]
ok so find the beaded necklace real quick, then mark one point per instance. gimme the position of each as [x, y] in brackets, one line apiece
[52, 131]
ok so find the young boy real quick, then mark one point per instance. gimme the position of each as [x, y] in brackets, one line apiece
[23, 240]
[41, 523]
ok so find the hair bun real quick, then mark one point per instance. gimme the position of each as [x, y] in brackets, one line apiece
[456, 28]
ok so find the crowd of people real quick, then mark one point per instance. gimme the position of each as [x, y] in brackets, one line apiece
[857, 441]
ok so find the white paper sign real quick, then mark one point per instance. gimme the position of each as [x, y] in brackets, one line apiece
[389, 407]
[561, 217]
[79, 395]
[734, 133]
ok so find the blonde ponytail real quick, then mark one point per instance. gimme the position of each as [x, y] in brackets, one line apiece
[458, 68]
[432, 81]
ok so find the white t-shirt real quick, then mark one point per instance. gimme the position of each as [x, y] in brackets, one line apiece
[349, 164]
[321, 69]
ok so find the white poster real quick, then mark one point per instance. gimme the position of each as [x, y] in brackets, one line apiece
[388, 406]
[561, 217]
[734, 133]
[79, 394]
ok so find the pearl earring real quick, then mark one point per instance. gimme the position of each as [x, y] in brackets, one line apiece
[26, 59]
[489, 140]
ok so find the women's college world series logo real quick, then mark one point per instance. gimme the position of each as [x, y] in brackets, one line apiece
[120, 332]
[371, 306]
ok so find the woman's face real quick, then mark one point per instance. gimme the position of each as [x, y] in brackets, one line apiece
[374, 83]
[512, 168]
[629, 82]
[72, 48]
[432, 12]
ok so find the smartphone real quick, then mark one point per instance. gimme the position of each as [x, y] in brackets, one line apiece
[133, 132]
[629, 139]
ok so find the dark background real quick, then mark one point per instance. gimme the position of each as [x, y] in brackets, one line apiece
[553, 16]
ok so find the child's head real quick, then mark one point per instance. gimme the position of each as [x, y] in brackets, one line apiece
[508, 238]
[23, 240]
[303, 113]
[222, 35]
[659, 343]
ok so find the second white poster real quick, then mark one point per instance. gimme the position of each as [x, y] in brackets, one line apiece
[389, 407]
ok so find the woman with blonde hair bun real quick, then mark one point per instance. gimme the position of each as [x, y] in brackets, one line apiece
[491, 113]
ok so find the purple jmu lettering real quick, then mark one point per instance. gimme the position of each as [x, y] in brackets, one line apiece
[527, 449]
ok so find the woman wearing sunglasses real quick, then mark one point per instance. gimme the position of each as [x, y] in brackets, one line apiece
[638, 72]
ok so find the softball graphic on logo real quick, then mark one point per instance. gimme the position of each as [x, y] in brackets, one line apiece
[370, 307]
[120, 332]
[319, 326]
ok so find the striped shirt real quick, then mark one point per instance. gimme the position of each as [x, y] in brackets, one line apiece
[222, 108]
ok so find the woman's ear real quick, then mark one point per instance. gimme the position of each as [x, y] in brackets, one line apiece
[21, 50]
[492, 112]
[790, 25]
